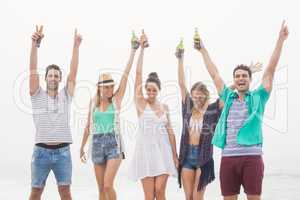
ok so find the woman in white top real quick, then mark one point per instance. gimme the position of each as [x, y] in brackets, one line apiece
[155, 156]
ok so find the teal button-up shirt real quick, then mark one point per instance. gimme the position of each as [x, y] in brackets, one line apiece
[251, 131]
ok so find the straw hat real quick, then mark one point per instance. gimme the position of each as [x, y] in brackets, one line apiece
[105, 79]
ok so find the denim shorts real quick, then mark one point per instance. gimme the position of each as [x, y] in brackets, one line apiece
[104, 148]
[44, 160]
[191, 160]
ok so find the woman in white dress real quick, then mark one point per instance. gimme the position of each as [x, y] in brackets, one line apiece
[155, 156]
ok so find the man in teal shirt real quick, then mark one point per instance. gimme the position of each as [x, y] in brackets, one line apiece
[239, 130]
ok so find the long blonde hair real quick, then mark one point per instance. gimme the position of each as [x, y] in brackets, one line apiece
[199, 86]
[97, 97]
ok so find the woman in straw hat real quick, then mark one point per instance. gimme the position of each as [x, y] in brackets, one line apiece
[106, 146]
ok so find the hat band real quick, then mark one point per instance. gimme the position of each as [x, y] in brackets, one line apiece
[105, 82]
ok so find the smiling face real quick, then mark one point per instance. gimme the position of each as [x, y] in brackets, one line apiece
[106, 92]
[199, 98]
[199, 94]
[53, 79]
[151, 90]
[242, 80]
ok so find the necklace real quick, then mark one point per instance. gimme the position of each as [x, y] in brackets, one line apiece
[197, 113]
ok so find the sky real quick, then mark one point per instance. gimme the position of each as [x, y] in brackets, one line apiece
[233, 31]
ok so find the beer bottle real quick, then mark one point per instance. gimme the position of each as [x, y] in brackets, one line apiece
[134, 41]
[180, 49]
[197, 44]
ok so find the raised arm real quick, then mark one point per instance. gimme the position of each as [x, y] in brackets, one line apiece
[122, 87]
[181, 77]
[71, 81]
[34, 82]
[181, 80]
[211, 68]
[268, 76]
[138, 90]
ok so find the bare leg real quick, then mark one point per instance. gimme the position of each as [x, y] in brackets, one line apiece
[99, 173]
[233, 197]
[160, 186]
[36, 193]
[198, 195]
[253, 197]
[65, 192]
[188, 179]
[148, 187]
[111, 170]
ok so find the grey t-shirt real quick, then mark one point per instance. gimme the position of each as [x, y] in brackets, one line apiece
[51, 116]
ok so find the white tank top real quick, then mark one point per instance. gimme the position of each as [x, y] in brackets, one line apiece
[196, 125]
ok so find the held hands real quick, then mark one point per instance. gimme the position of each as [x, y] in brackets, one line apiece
[77, 39]
[37, 36]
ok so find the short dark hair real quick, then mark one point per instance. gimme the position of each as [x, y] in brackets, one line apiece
[53, 66]
[153, 77]
[243, 67]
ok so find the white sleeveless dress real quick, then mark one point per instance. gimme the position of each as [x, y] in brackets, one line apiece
[153, 153]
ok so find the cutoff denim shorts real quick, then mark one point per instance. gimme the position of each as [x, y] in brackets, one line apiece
[104, 148]
[45, 160]
[191, 160]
